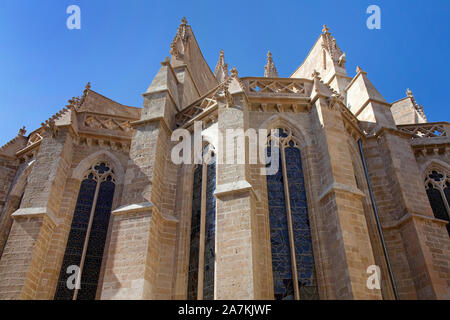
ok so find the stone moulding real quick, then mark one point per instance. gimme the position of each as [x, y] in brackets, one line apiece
[133, 208]
[410, 216]
[241, 186]
[38, 212]
[343, 188]
[142, 207]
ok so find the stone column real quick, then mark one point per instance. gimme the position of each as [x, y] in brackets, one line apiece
[407, 220]
[346, 247]
[26, 249]
[236, 274]
[417, 242]
[143, 231]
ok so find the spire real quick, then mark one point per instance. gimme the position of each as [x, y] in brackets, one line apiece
[221, 71]
[270, 71]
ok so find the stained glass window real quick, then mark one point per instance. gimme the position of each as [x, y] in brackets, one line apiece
[195, 234]
[290, 173]
[210, 232]
[307, 283]
[95, 218]
[279, 237]
[204, 185]
[437, 185]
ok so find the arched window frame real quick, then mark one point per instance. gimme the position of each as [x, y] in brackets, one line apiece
[209, 155]
[99, 176]
[283, 142]
[441, 185]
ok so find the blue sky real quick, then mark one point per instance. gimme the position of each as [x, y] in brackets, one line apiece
[121, 44]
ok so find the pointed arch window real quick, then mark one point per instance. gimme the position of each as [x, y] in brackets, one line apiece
[294, 274]
[87, 237]
[203, 230]
[437, 185]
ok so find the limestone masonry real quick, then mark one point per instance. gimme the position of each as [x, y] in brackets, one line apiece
[92, 207]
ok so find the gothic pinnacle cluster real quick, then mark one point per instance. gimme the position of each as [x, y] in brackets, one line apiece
[270, 71]
[221, 71]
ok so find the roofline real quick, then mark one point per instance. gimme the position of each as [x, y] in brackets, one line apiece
[309, 53]
[123, 105]
[201, 52]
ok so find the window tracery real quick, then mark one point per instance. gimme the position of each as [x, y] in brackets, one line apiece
[87, 237]
[291, 244]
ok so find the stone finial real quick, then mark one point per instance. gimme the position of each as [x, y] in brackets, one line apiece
[359, 69]
[325, 29]
[342, 60]
[184, 21]
[166, 61]
[234, 72]
[221, 71]
[315, 74]
[270, 71]
[88, 86]
[22, 131]
[409, 92]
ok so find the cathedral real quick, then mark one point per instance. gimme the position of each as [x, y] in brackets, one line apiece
[93, 207]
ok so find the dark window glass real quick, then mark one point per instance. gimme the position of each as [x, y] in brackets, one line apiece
[447, 196]
[437, 203]
[304, 257]
[96, 244]
[195, 234]
[96, 238]
[210, 231]
[279, 236]
[77, 236]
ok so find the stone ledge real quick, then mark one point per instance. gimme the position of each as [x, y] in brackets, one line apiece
[410, 216]
[35, 213]
[142, 207]
[241, 186]
[133, 208]
[343, 188]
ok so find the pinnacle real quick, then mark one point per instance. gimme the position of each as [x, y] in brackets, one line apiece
[22, 131]
[270, 71]
[234, 72]
[221, 71]
[409, 92]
